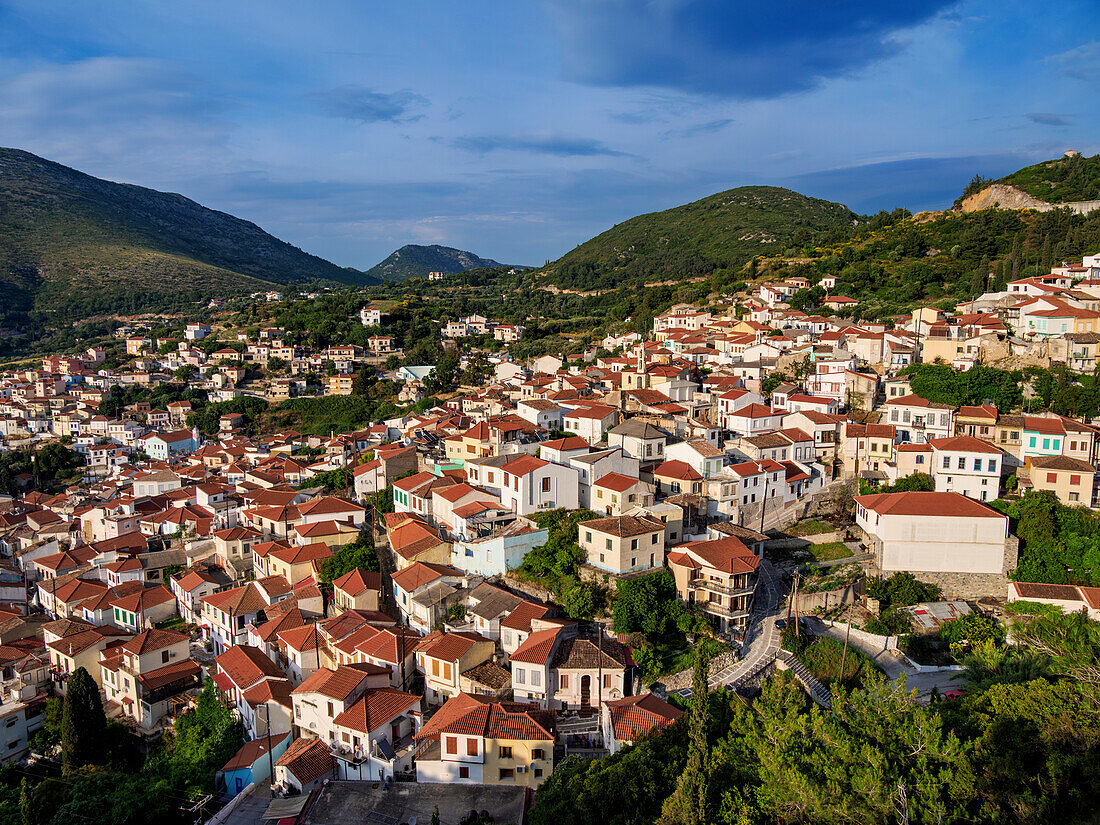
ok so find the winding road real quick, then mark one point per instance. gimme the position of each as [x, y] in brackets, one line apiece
[761, 641]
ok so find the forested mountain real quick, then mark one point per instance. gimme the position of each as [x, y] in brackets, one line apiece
[415, 261]
[72, 245]
[722, 231]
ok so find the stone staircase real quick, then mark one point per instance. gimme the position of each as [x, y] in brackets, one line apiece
[818, 692]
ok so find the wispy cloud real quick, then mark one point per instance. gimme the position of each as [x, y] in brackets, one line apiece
[1047, 119]
[366, 105]
[542, 144]
[697, 129]
[1081, 62]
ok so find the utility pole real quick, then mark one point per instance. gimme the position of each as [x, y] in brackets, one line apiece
[844, 655]
[270, 755]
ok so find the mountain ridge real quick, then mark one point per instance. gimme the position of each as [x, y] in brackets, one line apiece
[73, 245]
[719, 232]
[417, 260]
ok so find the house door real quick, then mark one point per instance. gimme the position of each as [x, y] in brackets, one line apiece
[240, 784]
[586, 687]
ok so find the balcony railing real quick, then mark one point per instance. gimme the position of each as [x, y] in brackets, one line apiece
[716, 609]
[703, 583]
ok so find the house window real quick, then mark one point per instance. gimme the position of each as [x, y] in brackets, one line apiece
[1052, 478]
[992, 465]
[946, 462]
[962, 463]
[1074, 480]
[606, 681]
[464, 773]
[452, 744]
[1046, 443]
[978, 464]
[164, 656]
[920, 459]
[521, 676]
[536, 678]
[471, 747]
[1074, 497]
[633, 544]
[538, 753]
[546, 484]
[505, 752]
[330, 711]
[607, 545]
[507, 774]
[564, 682]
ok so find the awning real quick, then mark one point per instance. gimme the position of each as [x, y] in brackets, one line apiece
[289, 807]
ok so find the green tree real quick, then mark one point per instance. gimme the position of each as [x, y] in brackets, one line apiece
[689, 805]
[83, 722]
[359, 553]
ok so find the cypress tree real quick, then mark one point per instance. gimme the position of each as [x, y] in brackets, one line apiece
[688, 805]
[25, 811]
[83, 723]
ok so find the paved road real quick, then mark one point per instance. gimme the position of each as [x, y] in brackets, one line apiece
[761, 638]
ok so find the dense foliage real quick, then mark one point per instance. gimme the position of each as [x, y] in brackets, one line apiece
[723, 231]
[106, 780]
[53, 466]
[1061, 180]
[359, 553]
[1058, 544]
[1021, 749]
[207, 418]
[554, 564]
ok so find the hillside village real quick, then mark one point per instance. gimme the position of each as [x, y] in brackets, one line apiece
[368, 603]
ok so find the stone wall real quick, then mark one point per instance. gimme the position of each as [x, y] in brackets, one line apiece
[535, 591]
[827, 599]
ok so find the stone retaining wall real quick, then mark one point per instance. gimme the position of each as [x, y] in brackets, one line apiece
[811, 602]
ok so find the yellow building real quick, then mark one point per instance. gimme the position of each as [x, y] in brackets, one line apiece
[475, 740]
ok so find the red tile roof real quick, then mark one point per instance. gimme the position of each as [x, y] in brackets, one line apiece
[634, 716]
[375, 709]
[932, 505]
[307, 760]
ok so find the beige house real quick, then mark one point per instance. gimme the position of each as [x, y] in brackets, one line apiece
[142, 677]
[719, 576]
[623, 544]
[81, 650]
[296, 564]
[357, 589]
[442, 657]
[615, 493]
[1073, 481]
[475, 740]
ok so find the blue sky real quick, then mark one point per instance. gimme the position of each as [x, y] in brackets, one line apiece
[518, 130]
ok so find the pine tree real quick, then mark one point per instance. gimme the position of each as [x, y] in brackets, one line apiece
[83, 723]
[688, 805]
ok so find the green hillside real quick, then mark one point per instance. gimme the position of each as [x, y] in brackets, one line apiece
[1062, 180]
[416, 261]
[72, 245]
[722, 231]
